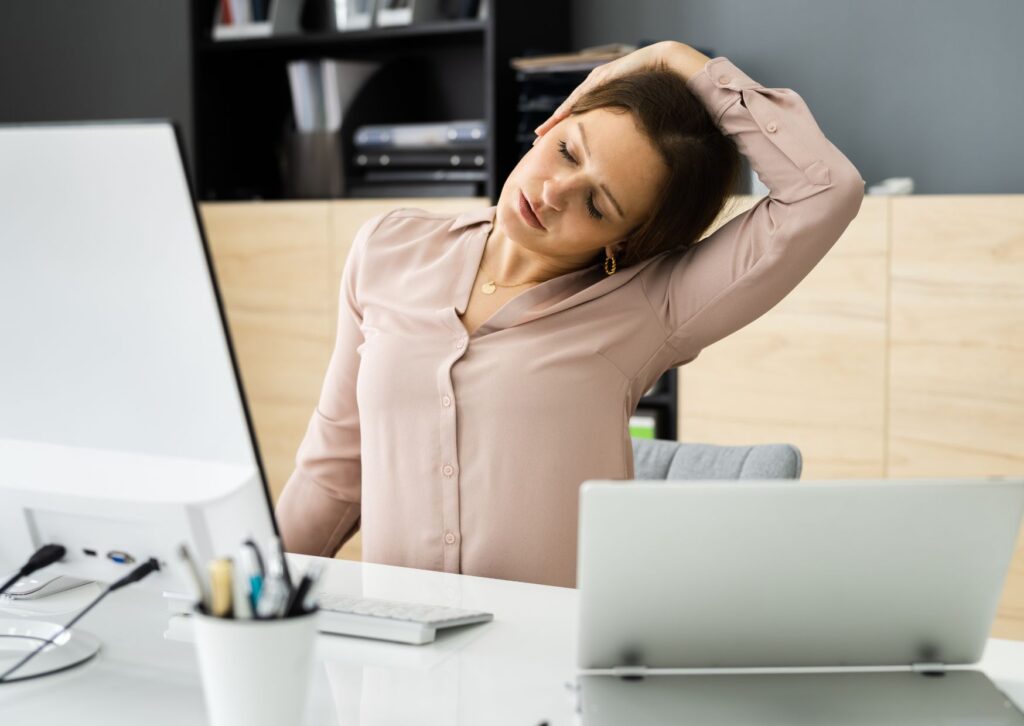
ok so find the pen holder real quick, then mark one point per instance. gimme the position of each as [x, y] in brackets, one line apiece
[255, 672]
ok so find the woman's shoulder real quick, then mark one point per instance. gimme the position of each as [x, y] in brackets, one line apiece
[416, 235]
[403, 224]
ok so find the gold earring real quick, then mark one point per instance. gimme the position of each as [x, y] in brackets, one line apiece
[610, 269]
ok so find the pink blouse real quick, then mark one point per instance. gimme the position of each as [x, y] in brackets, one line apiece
[465, 453]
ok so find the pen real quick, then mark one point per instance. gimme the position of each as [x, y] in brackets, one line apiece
[298, 600]
[252, 567]
[221, 587]
[202, 599]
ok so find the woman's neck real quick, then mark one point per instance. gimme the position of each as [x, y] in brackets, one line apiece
[511, 263]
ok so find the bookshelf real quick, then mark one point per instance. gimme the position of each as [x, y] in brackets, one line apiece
[438, 71]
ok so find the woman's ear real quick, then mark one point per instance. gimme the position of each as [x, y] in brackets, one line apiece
[614, 249]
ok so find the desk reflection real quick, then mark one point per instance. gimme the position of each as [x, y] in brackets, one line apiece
[958, 698]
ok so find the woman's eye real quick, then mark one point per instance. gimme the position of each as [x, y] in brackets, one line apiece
[591, 209]
[565, 151]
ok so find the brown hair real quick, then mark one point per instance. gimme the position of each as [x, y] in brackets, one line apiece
[703, 163]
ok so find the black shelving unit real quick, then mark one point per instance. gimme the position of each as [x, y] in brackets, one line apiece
[664, 402]
[441, 71]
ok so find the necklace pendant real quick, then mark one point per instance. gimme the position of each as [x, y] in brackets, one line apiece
[488, 288]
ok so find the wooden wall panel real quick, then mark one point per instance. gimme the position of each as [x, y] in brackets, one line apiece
[811, 371]
[273, 265]
[957, 348]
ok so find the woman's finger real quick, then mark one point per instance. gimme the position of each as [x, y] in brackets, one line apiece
[564, 108]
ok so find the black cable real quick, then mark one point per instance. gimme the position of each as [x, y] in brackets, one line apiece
[45, 555]
[135, 575]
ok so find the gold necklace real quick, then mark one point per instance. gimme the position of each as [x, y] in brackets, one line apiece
[490, 286]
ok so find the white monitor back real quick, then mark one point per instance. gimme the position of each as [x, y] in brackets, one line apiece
[111, 332]
[122, 421]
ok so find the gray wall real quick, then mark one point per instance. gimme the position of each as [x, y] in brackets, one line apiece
[70, 60]
[930, 89]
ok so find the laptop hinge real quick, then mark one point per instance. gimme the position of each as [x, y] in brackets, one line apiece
[928, 667]
[629, 672]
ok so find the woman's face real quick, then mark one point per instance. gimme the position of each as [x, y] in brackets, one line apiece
[590, 180]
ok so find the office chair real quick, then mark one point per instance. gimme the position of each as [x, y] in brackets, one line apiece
[660, 459]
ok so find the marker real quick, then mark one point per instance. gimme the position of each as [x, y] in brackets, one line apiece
[274, 595]
[297, 602]
[221, 587]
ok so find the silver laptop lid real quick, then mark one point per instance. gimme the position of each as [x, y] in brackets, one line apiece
[784, 573]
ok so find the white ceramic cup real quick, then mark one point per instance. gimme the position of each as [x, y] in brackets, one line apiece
[255, 672]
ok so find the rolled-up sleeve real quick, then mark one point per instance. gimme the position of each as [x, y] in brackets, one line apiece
[748, 265]
[319, 509]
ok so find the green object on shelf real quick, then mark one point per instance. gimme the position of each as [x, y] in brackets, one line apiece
[642, 427]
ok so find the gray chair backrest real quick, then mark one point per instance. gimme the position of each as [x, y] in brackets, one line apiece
[660, 459]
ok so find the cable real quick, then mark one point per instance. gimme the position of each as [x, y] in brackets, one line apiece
[45, 555]
[135, 575]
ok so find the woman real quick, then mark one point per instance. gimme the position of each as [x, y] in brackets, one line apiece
[487, 364]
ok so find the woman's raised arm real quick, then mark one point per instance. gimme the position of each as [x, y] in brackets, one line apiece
[748, 265]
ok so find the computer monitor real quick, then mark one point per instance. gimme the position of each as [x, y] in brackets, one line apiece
[116, 353]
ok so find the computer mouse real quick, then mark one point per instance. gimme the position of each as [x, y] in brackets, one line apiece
[34, 588]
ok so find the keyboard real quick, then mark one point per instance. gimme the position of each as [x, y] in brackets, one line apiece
[401, 622]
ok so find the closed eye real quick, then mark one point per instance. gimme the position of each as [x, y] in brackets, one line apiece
[591, 209]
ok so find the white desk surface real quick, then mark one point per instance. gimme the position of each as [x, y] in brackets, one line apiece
[514, 670]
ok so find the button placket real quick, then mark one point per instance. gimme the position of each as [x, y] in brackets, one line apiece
[447, 464]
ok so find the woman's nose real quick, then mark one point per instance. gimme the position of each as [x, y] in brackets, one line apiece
[556, 190]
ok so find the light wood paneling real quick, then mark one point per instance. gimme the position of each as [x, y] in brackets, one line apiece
[811, 371]
[957, 348]
[273, 266]
[957, 359]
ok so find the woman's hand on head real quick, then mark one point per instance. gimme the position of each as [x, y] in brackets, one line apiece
[650, 56]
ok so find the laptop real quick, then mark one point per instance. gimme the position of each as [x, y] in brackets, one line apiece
[690, 579]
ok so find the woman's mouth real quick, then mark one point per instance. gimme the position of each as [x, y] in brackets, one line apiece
[527, 212]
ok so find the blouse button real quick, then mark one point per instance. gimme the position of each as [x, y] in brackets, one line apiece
[771, 127]
[725, 80]
[460, 343]
[446, 401]
[449, 538]
[447, 470]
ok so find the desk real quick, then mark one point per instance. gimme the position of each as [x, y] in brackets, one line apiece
[515, 670]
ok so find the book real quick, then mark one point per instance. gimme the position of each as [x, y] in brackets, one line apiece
[307, 100]
[436, 135]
